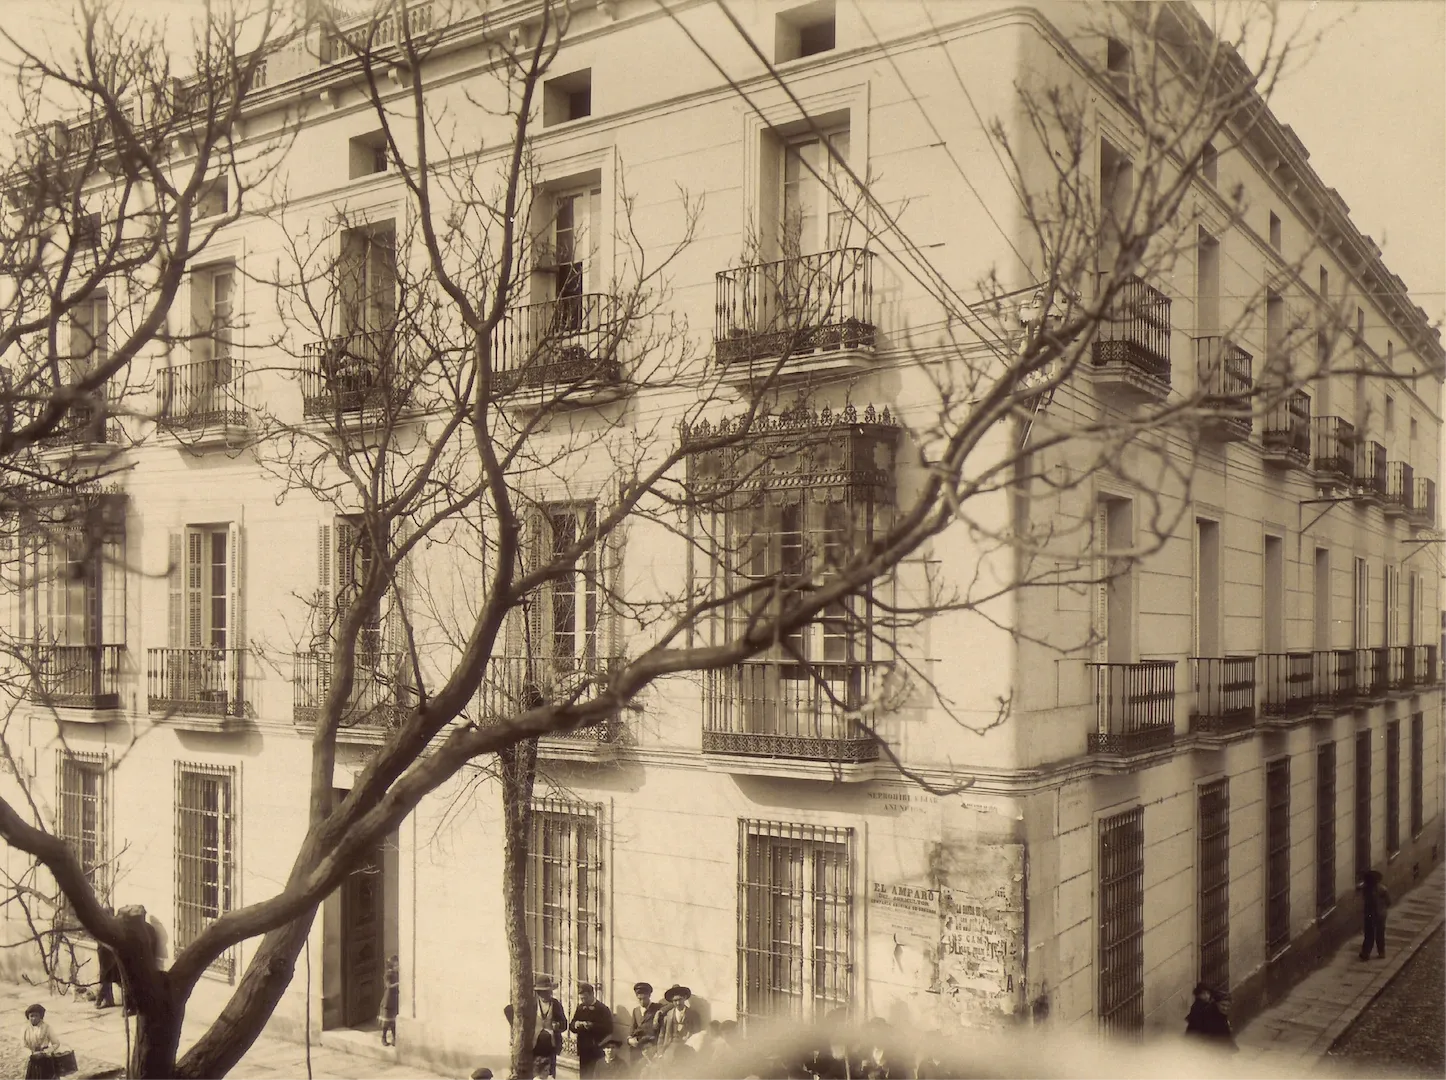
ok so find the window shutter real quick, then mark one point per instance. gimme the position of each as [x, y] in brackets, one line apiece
[1102, 585]
[536, 550]
[322, 609]
[195, 593]
[176, 593]
[235, 621]
[592, 230]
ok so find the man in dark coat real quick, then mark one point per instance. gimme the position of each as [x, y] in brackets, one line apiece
[551, 1023]
[1375, 899]
[681, 1022]
[592, 1022]
[644, 1031]
[109, 974]
[612, 1066]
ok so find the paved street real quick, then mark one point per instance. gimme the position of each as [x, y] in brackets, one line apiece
[1403, 1031]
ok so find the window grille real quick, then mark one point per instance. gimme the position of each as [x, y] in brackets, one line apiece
[1122, 924]
[206, 834]
[1277, 865]
[795, 920]
[1363, 803]
[1325, 828]
[1393, 787]
[1214, 885]
[82, 821]
[564, 896]
[1418, 768]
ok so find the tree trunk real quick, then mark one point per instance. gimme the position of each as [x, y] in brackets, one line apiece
[519, 770]
[158, 1027]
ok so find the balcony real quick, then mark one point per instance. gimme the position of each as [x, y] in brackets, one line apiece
[1334, 674]
[1421, 666]
[1131, 353]
[1287, 687]
[514, 684]
[1134, 707]
[1423, 503]
[352, 373]
[560, 349]
[1335, 450]
[379, 695]
[1399, 669]
[1370, 482]
[84, 429]
[1400, 489]
[1224, 694]
[195, 689]
[80, 677]
[1222, 370]
[1372, 670]
[813, 312]
[1285, 441]
[201, 402]
[769, 709]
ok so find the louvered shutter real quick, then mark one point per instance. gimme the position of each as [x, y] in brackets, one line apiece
[195, 591]
[322, 609]
[610, 585]
[536, 549]
[175, 590]
[235, 614]
[1102, 583]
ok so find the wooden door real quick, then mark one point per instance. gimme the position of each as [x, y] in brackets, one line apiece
[362, 910]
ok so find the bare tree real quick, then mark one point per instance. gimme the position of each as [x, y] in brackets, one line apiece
[470, 414]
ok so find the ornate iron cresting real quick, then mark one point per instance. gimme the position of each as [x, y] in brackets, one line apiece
[1277, 857]
[1213, 902]
[557, 346]
[514, 684]
[351, 373]
[1137, 332]
[1287, 685]
[1134, 707]
[795, 307]
[767, 708]
[74, 676]
[203, 394]
[1122, 924]
[195, 682]
[1287, 429]
[1325, 828]
[1224, 693]
[379, 694]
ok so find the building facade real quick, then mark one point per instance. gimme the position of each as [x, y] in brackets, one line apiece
[1176, 774]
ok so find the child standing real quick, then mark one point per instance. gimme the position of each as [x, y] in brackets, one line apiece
[391, 996]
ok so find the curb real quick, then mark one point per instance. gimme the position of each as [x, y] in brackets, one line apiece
[1320, 1049]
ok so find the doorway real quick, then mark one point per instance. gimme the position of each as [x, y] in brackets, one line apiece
[359, 932]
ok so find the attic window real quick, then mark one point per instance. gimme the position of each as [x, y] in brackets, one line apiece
[1208, 163]
[1275, 231]
[1117, 63]
[567, 97]
[214, 198]
[367, 154]
[87, 231]
[805, 31]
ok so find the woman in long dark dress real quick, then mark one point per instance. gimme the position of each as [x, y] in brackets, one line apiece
[41, 1043]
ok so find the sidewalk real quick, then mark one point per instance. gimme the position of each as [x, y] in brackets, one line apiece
[98, 1038]
[1295, 1033]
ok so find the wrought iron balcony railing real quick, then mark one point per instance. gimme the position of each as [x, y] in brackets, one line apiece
[350, 373]
[1287, 429]
[380, 692]
[1223, 371]
[203, 394]
[74, 676]
[1421, 665]
[85, 425]
[1399, 667]
[1423, 502]
[1400, 487]
[1334, 677]
[1134, 707]
[1335, 448]
[1224, 693]
[1372, 670]
[194, 682]
[1370, 469]
[1137, 333]
[776, 709]
[802, 306]
[514, 684]
[1288, 685]
[558, 345]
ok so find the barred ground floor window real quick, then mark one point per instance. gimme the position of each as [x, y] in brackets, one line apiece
[1418, 770]
[1325, 828]
[1393, 787]
[1121, 960]
[1277, 864]
[1363, 803]
[1213, 902]
[82, 816]
[564, 895]
[795, 920]
[206, 845]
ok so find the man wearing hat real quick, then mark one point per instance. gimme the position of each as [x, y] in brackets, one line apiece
[551, 1023]
[612, 1066]
[681, 1022]
[592, 1021]
[644, 1032]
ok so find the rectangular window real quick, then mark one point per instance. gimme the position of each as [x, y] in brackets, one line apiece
[567, 97]
[1117, 184]
[367, 155]
[83, 816]
[1390, 414]
[1121, 961]
[1363, 803]
[1418, 769]
[1207, 588]
[1277, 866]
[804, 31]
[1277, 337]
[1322, 590]
[1325, 828]
[214, 199]
[1207, 284]
[1209, 163]
[203, 581]
[205, 852]
[1275, 231]
[564, 893]
[213, 292]
[814, 220]
[1273, 601]
[795, 912]
[89, 335]
[368, 286]
[1361, 602]
[1213, 902]
[560, 633]
[1393, 787]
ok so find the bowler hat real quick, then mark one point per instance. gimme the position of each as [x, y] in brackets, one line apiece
[675, 992]
[612, 1040]
[642, 988]
[542, 982]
